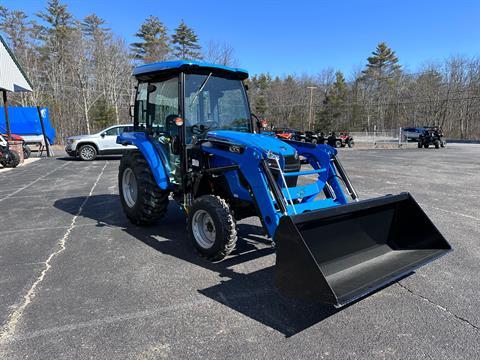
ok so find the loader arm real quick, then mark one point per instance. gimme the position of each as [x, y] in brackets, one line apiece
[275, 198]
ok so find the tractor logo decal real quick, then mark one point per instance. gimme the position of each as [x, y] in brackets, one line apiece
[235, 149]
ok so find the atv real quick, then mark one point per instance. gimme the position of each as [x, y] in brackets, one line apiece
[431, 136]
[8, 158]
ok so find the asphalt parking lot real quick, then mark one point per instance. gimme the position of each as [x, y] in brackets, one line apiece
[78, 281]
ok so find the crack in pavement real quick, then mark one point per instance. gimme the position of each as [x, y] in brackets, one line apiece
[458, 317]
[9, 328]
[142, 314]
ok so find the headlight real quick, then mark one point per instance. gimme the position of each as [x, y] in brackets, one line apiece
[69, 141]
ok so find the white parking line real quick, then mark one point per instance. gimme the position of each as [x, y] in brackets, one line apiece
[10, 327]
[33, 182]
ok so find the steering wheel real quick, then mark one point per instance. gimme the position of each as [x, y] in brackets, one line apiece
[201, 127]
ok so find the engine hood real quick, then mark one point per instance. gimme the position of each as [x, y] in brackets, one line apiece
[260, 142]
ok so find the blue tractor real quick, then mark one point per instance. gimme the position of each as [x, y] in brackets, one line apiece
[197, 142]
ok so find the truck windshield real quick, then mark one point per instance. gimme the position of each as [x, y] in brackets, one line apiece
[213, 102]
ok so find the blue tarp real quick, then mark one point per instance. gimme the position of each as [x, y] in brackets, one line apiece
[25, 121]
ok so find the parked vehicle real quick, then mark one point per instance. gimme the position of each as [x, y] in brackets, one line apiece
[431, 136]
[26, 150]
[8, 158]
[202, 148]
[87, 147]
[289, 134]
[412, 133]
[312, 137]
[341, 140]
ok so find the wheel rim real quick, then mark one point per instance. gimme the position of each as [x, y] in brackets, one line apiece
[203, 229]
[129, 187]
[87, 152]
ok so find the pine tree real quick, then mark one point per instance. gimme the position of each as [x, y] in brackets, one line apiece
[382, 63]
[185, 43]
[92, 26]
[59, 23]
[334, 104]
[14, 24]
[153, 45]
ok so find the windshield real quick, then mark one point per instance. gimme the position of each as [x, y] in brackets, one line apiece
[213, 102]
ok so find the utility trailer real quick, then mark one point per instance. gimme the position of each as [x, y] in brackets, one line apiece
[197, 141]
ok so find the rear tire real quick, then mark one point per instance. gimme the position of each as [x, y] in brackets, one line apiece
[314, 141]
[437, 144]
[425, 146]
[87, 152]
[143, 202]
[26, 152]
[211, 227]
[14, 161]
[338, 143]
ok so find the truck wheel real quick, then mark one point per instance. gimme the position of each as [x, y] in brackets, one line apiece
[211, 227]
[419, 145]
[338, 143]
[425, 145]
[437, 144]
[314, 141]
[87, 152]
[350, 143]
[443, 144]
[142, 200]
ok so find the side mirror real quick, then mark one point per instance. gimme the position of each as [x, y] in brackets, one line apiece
[176, 149]
[103, 134]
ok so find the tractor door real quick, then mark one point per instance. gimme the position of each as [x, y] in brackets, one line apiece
[157, 105]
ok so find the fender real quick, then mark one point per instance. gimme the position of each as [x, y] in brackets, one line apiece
[155, 156]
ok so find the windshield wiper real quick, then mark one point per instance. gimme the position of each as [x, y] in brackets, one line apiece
[200, 89]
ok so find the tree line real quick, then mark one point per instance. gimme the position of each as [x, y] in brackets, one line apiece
[380, 96]
[81, 70]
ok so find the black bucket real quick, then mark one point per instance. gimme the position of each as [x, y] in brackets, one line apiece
[340, 254]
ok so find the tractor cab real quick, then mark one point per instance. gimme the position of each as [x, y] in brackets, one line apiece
[177, 103]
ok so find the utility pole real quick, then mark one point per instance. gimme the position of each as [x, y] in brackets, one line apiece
[310, 113]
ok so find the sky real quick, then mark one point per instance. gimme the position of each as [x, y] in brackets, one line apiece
[300, 36]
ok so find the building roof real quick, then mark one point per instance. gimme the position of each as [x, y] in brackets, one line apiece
[168, 66]
[12, 77]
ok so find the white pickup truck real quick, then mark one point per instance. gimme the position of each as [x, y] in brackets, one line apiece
[87, 147]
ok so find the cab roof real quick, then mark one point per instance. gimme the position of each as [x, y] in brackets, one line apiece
[188, 66]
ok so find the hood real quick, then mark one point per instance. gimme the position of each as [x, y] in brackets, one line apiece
[264, 143]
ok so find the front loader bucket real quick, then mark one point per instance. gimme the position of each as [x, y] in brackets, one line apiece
[340, 254]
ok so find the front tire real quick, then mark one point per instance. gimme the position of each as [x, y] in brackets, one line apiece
[338, 143]
[211, 227]
[143, 202]
[419, 144]
[87, 152]
[350, 143]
